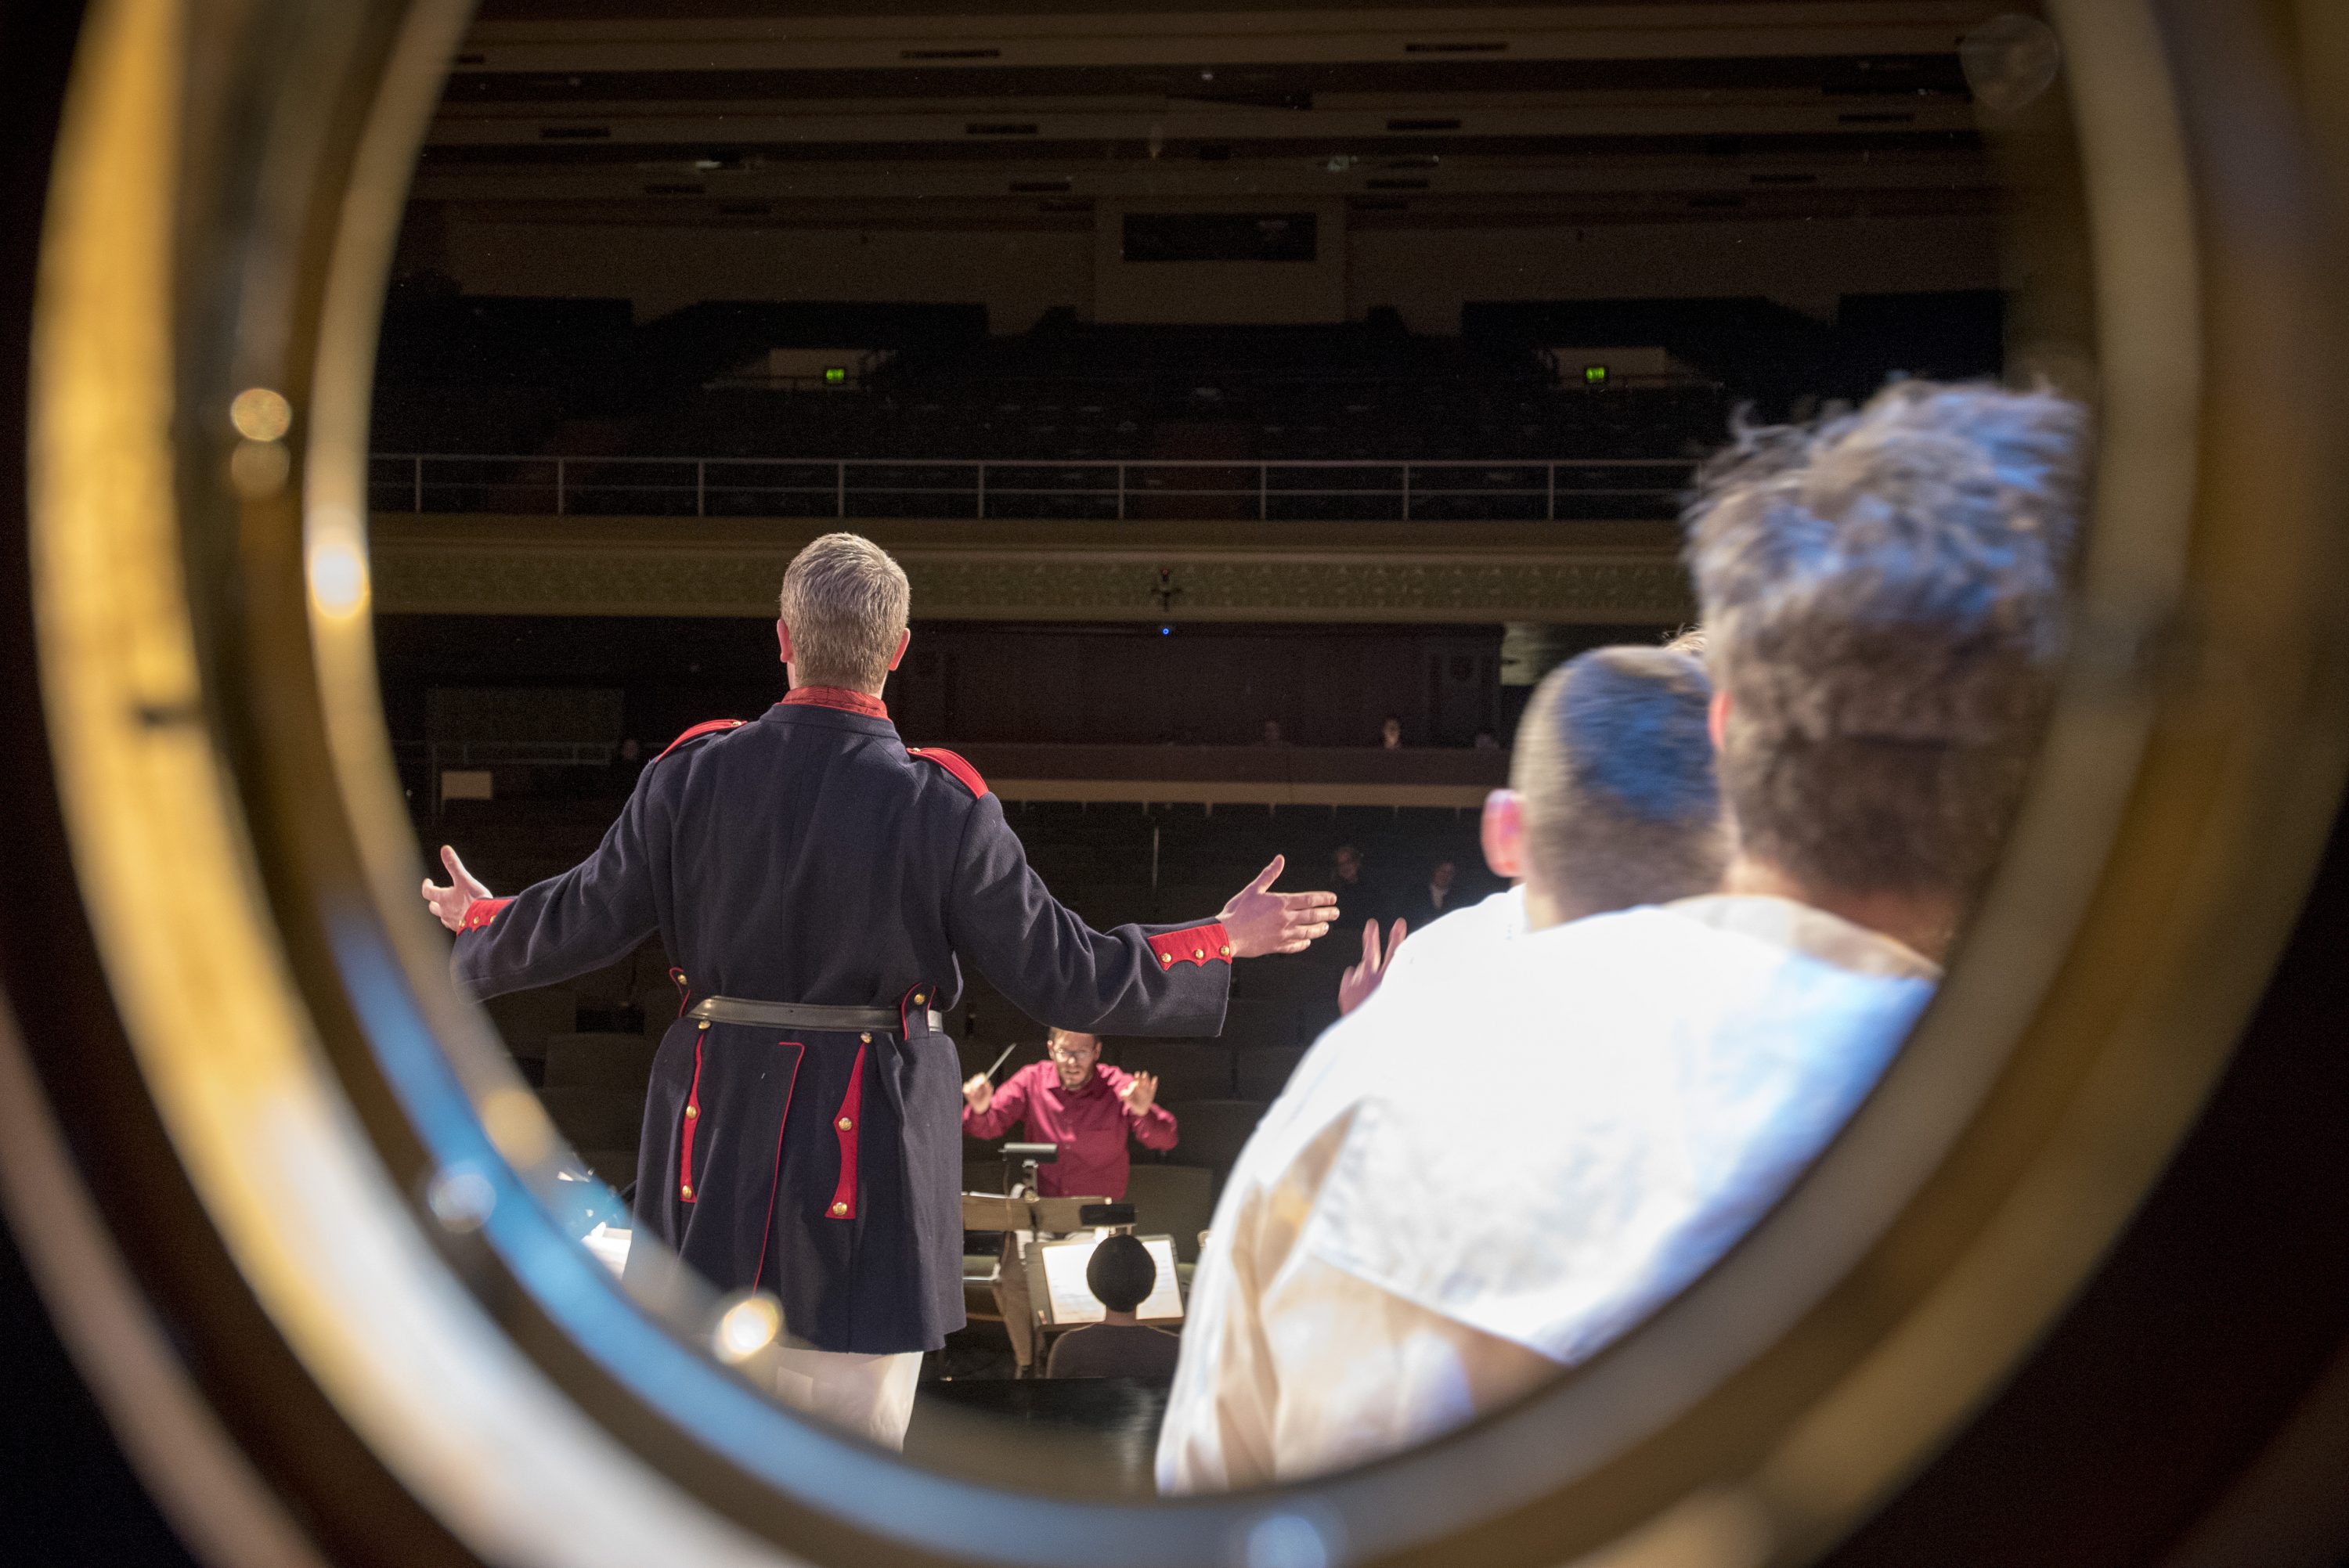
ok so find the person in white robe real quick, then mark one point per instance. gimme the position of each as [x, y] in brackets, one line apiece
[1615, 754]
[1502, 1160]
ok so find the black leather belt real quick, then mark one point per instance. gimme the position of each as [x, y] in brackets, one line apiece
[792, 1016]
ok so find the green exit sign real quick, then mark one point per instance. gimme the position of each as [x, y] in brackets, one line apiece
[1594, 376]
[835, 375]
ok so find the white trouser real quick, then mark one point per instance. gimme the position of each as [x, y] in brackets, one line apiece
[868, 1397]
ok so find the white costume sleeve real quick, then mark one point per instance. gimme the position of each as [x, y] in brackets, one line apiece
[1291, 1367]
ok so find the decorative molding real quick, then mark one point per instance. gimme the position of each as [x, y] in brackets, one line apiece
[664, 567]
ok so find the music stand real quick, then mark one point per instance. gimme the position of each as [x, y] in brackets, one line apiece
[1029, 1155]
[993, 1212]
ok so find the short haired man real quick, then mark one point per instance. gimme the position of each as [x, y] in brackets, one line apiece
[1400, 1248]
[1611, 789]
[819, 885]
[1120, 1274]
[1080, 1102]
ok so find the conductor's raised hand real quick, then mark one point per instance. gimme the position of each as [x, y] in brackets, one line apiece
[1139, 1092]
[978, 1093]
[1260, 920]
[1355, 985]
[450, 902]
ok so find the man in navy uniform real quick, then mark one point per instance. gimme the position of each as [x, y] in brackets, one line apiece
[816, 883]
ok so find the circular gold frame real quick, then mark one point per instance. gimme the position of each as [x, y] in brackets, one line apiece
[228, 183]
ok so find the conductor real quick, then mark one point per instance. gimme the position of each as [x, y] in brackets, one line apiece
[1076, 1100]
[817, 884]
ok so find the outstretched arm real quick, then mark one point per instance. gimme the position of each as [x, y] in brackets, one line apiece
[1136, 979]
[591, 915]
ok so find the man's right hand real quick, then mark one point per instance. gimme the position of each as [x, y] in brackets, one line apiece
[1260, 920]
[978, 1094]
[450, 903]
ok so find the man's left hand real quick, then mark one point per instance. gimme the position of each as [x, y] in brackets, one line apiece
[1139, 1092]
[1259, 921]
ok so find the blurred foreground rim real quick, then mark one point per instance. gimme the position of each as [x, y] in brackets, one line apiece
[236, 1069]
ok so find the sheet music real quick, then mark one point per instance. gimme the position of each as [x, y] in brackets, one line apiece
[1073, 1302]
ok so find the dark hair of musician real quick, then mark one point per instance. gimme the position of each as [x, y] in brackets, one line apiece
[1614, 762]
[1122, 1273]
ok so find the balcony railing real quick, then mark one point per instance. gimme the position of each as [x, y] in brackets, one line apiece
[1328, 490]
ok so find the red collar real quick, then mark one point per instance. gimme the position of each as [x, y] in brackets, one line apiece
[840, 697]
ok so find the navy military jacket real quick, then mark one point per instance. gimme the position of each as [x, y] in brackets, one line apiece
[809, 857]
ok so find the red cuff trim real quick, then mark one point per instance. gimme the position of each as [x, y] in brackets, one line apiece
[1199, 944]
[481, 910]
[965, 774]
[840, 698]
[706, 727]
[845, 1122]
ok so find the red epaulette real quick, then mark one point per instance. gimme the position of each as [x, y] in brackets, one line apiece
[707, 727]
[965, 774]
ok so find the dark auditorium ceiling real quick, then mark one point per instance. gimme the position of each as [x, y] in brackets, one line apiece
[721, 113]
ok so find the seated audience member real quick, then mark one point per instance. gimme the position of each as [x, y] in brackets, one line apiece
[1399, 1249]
[1391, 734]
[1077, 1100]
[1272, 736]
[1122, 1273]
[1436, 900]
[1613, 774]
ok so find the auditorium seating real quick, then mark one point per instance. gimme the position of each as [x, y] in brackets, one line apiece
[1063, 392]
[1215, 1130]
[1187, 1069]
[1177, 1201]
[1264, 1072]
[620, 1063]
[595, 1118]
[528, 379]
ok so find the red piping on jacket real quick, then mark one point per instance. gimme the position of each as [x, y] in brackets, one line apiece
[706, 727]
[767, 1230]
[839, 697]
[915, 996]
[844, 1123]
[963, 771]
[692, 1122]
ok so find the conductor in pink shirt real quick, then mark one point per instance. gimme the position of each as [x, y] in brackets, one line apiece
[1078, 1101]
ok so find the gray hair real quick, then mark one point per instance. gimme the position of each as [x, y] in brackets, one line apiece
[846, 604]
[1883, 596]
[1614, 760]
